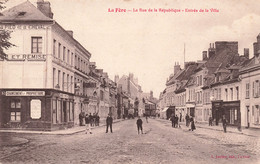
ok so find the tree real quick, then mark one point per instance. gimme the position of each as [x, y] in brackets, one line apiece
[4, 36]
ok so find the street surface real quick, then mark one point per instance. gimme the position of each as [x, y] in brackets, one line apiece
[160, 144]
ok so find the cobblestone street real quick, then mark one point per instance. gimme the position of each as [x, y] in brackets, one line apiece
[160, 144]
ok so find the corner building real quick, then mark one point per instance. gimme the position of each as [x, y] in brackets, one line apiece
[37, 79]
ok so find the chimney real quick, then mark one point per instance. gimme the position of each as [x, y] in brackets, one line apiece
[131, 77]
[70, 32]
[211, 50]
[204, 55]
[246, 52]
[151, 95]
[116, 78]
[45, 8]
[177, 68]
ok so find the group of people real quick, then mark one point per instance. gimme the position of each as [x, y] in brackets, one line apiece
[92, 119]
[190, 122]
[175, 120]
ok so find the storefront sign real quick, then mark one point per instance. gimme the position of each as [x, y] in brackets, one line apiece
[36, 109]
[64, 96]
[23, 93]
[26, 56]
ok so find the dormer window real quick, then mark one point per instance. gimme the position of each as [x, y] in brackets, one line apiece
[21, 13]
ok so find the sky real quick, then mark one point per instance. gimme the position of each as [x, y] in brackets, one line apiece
[149, 43]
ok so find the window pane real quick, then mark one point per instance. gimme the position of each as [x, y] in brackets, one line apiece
[12, 116]
[18, 104]
[13, 104]
[18, 116]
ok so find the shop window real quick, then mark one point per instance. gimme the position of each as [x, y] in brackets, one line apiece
[36, 45]
[15, 104]
[16, 116]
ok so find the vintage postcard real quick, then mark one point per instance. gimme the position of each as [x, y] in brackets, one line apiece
[129, 81]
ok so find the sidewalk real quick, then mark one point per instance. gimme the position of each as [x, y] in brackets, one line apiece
[230, 129]
[69, 131]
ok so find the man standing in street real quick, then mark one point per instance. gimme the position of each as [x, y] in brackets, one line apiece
[187, 118]
[87, 122]
[173, 121]
[109, 122]
[139, 123]
[224, 121]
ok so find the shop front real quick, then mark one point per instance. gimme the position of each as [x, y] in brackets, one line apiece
[36, 109]
[231, 110]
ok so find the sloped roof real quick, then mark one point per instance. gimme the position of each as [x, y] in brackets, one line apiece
[24, 12]
[172, 80]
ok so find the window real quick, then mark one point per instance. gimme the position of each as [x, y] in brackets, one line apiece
[226, 92]
[68, 76]
[237, 91]
[54, 47]
[247, 91]
[219, 93]
[59, 50]
[36, 45]
[71, 80]
[15, 104]
[68, 58]
[15, 110]
[253, 89]
[231, 94]
[101, 95]
[63, 80]
[71, 58]
[76, 64]
[59, 78]
[15, 116]
[64, 51]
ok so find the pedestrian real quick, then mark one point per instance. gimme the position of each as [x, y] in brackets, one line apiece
[109, 122]
[139, 123]
[94, 119]
[87, 122]
[187, 118]
[176, 121]
[173, 121]
[210, 121]
[180, 117]
[192, 124]
[97, 119]
[81, 117]
[224, 122]
[91, 119]
[146, 117]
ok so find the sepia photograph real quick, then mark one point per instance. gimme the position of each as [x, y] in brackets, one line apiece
[129, 81]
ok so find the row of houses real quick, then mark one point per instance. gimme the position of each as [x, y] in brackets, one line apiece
[47, 79]
[222, 83]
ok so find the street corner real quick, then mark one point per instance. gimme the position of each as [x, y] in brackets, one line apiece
[6, 140]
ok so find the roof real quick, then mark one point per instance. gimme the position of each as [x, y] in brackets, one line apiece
[24, 12]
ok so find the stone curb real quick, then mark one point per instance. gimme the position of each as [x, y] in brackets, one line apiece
[59, 132]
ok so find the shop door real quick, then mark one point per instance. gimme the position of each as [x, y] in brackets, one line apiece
[64, 111]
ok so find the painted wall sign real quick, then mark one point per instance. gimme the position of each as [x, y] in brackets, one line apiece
[24, 93]
[36, 108]
[27, 56]
[21, 27]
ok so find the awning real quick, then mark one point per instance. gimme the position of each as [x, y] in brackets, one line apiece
[165, 109]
